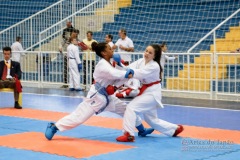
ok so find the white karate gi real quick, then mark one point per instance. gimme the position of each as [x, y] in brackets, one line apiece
[74, 60]
[148, 102]
[105, 74]
[16, 55]
[132, 86]
[165, 58]
[110, 44]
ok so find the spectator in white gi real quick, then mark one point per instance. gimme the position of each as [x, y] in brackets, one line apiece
[75, 65]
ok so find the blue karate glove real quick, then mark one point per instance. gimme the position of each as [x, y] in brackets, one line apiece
[79, 67]
[129, 71]
[117, 58]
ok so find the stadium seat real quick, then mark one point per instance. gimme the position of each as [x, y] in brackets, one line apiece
[151, 19]
[17, 10]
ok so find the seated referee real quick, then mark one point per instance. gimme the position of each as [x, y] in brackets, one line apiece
[10, 73]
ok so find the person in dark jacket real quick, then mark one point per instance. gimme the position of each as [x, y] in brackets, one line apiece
[10, 74]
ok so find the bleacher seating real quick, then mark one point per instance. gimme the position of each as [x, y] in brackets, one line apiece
[198, 77]
[181, 26]
[19, 10]
[232, 81]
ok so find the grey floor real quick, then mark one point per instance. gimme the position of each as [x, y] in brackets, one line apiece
[166, 100]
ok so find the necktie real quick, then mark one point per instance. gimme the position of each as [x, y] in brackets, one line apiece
[4, 75]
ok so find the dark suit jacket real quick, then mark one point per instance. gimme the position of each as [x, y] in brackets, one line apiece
[14, 70]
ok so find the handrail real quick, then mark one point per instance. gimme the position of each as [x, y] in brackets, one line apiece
[43, 40]
[32, 16]
[63, 20]
[213, 30]
[60, 22]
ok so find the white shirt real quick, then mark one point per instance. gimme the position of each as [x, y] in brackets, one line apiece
[16, 55]
[110, 44]
[165, 58]
[8, 61]
[128, 43]
[106, 74]
[8, 69]
[148, 73]
[73, 53]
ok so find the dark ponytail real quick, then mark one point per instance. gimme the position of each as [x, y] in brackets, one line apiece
[157, 58]
[99, 47]
[163, 44]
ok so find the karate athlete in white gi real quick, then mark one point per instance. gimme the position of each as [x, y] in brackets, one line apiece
[130, 89]
[99, 97]
[75, 65]
[147, 70]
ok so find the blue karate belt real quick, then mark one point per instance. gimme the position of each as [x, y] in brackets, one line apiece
[102, 90]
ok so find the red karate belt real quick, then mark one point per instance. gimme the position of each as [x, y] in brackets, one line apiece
[145, 86]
